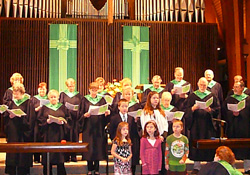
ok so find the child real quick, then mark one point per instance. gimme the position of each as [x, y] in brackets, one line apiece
[150, 151]
[153, 111]
[122, 115]
[176, 150]
[121, 150]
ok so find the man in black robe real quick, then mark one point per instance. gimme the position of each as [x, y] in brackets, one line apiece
[178, 99]
[199, 120]
[238, 78]
[214, 86]
[238, 121]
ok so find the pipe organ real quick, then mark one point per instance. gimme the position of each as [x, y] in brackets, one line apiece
[145, 10]
[170, 10]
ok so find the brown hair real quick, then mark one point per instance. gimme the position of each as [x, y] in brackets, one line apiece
[100, 80]
[148, 109]
[19, 87]
[225, 153]
[94, 85]
[178, 121]
[118, 137]
[156, 134]
[122, 101]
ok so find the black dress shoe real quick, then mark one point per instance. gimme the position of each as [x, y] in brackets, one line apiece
[247, 172]
[195, 171]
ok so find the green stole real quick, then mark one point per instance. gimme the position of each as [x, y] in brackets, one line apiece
[229, 167]
[71, 94]
[40, 98]
[103, 92]
[93, 100]
[54, 107]
[131, 103]
[11, 88]
[158, 90]
[168, 108]
[240, 97]
[202, 95]
[21, 101]
[180, 83]
[211, 84]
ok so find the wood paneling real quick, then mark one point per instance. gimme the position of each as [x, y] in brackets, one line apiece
[24, 49]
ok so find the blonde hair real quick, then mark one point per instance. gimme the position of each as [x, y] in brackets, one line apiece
[126, 80]
[156, 77]
[100, 80]
[19, 87]
[16, 76]
[166, 95]
[127, 89]
[70, 80]
[53, 91]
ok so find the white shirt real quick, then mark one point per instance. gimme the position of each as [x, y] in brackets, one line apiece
[160, 120]
[126, 117]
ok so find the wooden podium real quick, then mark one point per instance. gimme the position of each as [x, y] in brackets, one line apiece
[213, 144]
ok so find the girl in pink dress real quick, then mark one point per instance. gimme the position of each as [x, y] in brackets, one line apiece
[150, 150]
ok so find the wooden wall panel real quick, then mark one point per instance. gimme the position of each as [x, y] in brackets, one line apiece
[24, 48]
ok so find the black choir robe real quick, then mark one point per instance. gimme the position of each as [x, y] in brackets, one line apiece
[8, 95]
[216, 168]
[19, 129]
[75, 99]
[93, 129]
[216, 88]
[200, 123]
[176, 100]
[238, 126]
[36, 102]
[159, 90]
[53, 132]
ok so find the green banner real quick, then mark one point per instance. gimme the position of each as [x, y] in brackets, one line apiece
[136, 54]
[62, 55]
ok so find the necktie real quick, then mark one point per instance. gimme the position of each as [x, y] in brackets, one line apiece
[124, 118]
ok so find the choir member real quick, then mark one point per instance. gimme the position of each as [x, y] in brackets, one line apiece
[18, 129]
[238, 78]
[199, 121]
[93, 129]
[238, 121]
[15, 78]
[53, 119]
[36, 100]
[156, 80]
[223, 163]
[178, 99]
[214, 86]
[166, 106]
[101, 82]
[72, 99]
[125, 82]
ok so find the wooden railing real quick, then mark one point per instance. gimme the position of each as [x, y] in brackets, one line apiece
[30, 147]
[213, 144]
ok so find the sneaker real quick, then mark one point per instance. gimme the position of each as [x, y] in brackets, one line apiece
[195, 171]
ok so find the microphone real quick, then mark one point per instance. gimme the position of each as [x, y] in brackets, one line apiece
[219, 120]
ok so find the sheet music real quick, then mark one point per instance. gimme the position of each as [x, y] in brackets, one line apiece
[98, 110]
[204, 105]
[135, 114]
[237, 107]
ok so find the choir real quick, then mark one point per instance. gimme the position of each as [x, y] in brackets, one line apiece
[56, 117]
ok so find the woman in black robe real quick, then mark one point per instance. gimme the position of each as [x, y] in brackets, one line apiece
[15, 78]
[72, 99]
[36, 100]
[53, 119]
[93, 129]
[19, 129]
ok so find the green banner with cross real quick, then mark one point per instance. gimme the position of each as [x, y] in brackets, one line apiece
[136, 54]
[62, 55]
